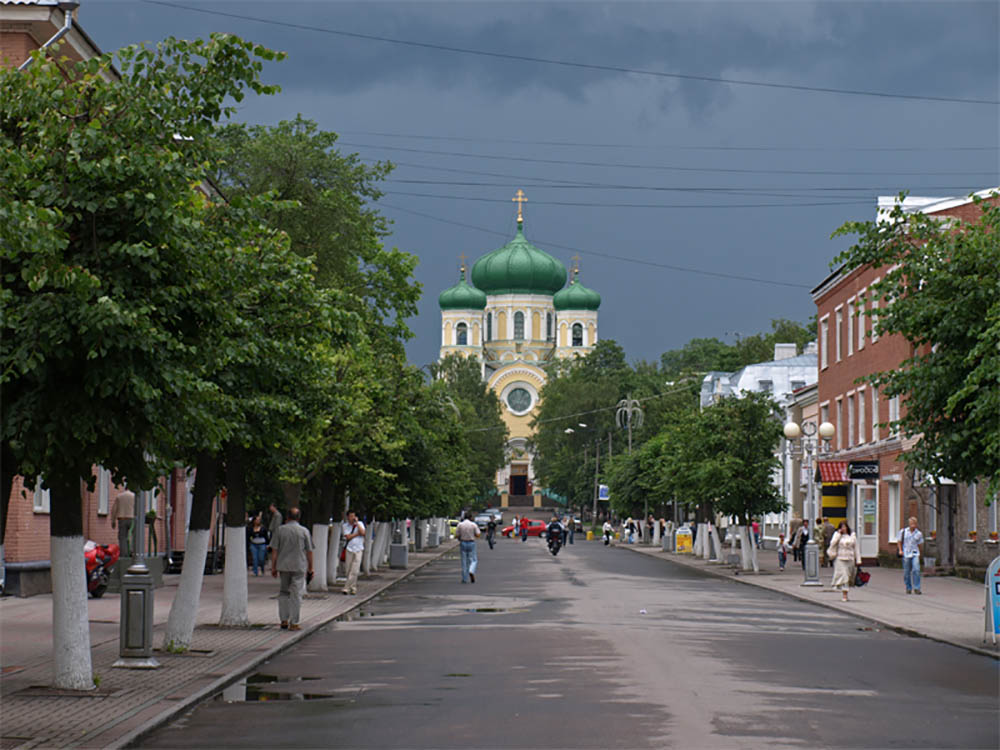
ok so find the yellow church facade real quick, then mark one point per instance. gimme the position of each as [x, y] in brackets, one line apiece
[516, 318]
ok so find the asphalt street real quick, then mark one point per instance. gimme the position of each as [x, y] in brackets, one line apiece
[599, 647]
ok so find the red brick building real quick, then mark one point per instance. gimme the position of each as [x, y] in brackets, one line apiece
[881, 494]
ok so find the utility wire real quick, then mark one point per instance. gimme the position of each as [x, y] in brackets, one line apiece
[596, 253]
[661, 167]
[572, 63]
[664, 147]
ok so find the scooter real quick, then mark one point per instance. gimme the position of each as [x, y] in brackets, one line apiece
[99, 558]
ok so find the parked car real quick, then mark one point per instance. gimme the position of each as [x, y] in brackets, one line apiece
[535, 528]
[496, 513]
[482, 519]
[452, 525]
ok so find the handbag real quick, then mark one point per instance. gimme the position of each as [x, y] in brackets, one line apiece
[861, 577]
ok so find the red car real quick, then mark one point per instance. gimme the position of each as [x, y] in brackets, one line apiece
[535, 528]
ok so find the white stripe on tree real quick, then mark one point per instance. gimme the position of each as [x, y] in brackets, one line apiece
[320, 536]
[70, 624]
[184, 608]
[333, 555]
[234, 584]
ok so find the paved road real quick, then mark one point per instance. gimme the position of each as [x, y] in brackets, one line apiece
[555, 652]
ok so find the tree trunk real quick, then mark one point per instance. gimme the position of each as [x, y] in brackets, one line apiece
[184, 609]
[366, 556]
[293, 494]
[321, 533]
[745, 544]
[8, 470]
[234, 590]
[70, 623]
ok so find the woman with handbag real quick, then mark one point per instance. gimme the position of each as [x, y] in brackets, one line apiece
[846, 556]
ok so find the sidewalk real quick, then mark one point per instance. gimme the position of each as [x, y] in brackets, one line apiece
[950, 610]
[129, 703]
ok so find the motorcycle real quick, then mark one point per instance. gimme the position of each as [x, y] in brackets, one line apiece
[555, 543]
[99, 558]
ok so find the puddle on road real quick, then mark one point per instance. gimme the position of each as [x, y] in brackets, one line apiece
[255, 688]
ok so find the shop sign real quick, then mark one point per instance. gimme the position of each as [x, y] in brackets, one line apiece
[863, 470]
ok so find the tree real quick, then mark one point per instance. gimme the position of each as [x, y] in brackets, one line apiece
[106, 308]
[705, 354]
[941, 293]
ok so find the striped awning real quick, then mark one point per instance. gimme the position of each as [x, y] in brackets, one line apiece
[832, 471]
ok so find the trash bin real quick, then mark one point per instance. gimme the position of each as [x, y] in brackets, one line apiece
[590, 536]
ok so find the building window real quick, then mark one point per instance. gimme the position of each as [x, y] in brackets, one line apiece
[874, 414]
[796, 384]
[874, 313]
[824, 413]
[840, 423]
[462, 334]
[577, 334]
[860, 313]
[893, 416]
[548, 326]
[765, 386]
[103, 490]
[850, 421]
[839, 334]
[972, 506]
[824, 342]
[850, 327]
[489, 326]
[519, 326]
[41, 500]
[931, 511]
[862, 422]
[894, 525]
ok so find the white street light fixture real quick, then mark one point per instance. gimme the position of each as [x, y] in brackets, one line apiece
[802, 439]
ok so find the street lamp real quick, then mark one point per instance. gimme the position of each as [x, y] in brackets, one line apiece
[597, 466]
[802, 440]
[628, 415]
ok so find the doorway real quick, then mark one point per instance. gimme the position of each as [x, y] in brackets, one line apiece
[518, 479]
[866, 518]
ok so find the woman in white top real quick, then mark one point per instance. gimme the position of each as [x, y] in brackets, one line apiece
[846, 556]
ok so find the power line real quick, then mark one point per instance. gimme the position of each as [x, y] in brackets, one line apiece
[597, 253]
[604, 204]
[660, 167]
[572, 63]
[666, 147]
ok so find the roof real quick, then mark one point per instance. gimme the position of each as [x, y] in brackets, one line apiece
[462, 296]
[832, 471]
[519, 268]
[576, 297]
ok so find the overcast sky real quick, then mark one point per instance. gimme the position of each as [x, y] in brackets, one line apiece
[641, 175]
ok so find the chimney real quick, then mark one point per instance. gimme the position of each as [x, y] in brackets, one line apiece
[784, 351]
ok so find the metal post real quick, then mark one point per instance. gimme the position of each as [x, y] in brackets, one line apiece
[135, 636]
[812, 549]
[597, 466]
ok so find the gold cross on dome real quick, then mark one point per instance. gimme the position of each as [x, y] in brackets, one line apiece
[520, 200]
[461, 259]
[576, 266]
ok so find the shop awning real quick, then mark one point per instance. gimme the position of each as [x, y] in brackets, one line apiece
[832, 471]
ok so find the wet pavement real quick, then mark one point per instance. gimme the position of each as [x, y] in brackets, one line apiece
[599, 647]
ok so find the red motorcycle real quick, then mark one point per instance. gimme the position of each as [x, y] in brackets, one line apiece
[99, 559]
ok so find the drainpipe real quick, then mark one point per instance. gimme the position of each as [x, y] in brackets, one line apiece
[67, 7]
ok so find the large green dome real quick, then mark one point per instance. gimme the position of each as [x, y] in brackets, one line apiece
[576, 297]
[519, 268]
[462, 296]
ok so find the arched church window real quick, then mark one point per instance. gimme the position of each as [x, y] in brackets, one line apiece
[548, 326]
[489, 326]
[462, 334]
[519, 326]
[577, 334]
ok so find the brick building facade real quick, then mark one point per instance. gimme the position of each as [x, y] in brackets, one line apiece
[879, 505]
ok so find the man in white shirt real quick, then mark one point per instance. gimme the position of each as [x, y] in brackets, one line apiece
[908, 542]
[352, 531]
[609, 531]
[466, 533]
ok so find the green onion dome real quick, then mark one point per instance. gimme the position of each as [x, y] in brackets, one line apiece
[519, 268]
[576, 297]
[462, 296]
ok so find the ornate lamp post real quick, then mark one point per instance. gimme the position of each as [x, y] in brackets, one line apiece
[802, 441]
[629, 415]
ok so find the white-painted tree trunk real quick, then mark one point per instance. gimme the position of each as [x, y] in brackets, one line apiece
[706, 547]
[234, 582]
[386, 541]
[746, 556]
[382, 531]
[366, 556]
[321, 535]
[717, 543]
[184, 609]
[753, 550]
[72, 669]
[333, 555]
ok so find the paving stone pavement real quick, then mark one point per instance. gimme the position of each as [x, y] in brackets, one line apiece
[128, 702]
[951, 609]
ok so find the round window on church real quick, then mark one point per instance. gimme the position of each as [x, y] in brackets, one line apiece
[519, 400]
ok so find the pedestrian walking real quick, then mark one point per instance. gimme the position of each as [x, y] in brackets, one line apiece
[515, 527]
[648, 538]
[352, 532]
[846, 556]
[630, 526]
[123, 516]
[782, 552]
[572, 529]
[828, 531]
[565, 531]
[491, 532]
[908, 543]
[292, 559]
[524, 529]
[821, 539]
[467, 532]
[609, 532]
[259, 539]
[801, 540]
[275, 520]
[756, 533]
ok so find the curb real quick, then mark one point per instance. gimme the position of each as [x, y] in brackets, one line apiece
[131, 738]
[901, 629]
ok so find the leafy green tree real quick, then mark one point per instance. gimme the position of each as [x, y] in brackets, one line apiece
[705, 354]
[941, 293]
[106, 310]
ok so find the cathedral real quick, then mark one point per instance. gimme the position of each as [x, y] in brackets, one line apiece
[516, 317]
